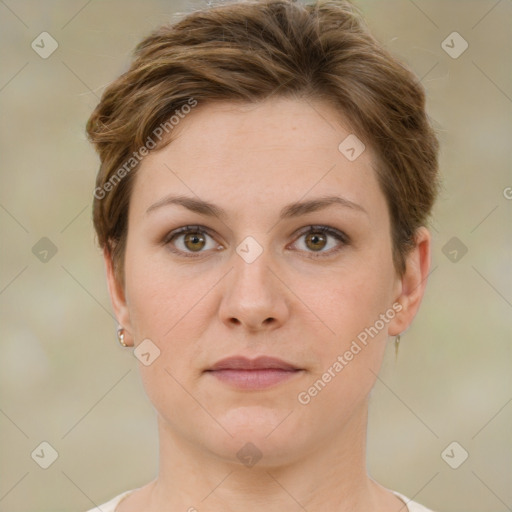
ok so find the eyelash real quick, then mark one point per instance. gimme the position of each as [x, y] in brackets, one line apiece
[339, 235]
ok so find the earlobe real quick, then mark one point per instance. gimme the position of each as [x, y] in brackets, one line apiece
[117, 297]
[413, 282]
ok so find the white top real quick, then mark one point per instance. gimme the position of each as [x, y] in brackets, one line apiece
[111, 505]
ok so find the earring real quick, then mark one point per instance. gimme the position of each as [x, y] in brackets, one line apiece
[120, 336]
[397, 343]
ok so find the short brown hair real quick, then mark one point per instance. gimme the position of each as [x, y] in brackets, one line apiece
[245, 52]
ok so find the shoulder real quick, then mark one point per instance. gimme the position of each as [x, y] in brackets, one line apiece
[111, 505]
[412, 506]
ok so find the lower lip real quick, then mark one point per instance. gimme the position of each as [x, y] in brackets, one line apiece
[254, 379]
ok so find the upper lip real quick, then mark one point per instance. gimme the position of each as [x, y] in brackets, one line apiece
[243, 363]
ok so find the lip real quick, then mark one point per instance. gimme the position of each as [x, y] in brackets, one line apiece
[253, 374]
[259, 363]
[254, 379]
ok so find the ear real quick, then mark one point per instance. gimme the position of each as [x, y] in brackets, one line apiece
[117, 298]
[411, 286]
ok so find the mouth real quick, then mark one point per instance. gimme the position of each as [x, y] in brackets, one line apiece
[254, 379]
[260, 363]
[253, 374]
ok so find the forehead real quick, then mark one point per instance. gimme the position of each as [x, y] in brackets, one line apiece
[276, 151]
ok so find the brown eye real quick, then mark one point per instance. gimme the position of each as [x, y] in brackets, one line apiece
[190, 241]
[316, 238]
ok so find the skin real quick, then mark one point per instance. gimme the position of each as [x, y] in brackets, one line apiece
[252, 160]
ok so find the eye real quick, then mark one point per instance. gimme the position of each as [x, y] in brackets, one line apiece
[190, 240]
[316, 239]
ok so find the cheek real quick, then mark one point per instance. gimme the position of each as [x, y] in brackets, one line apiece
[355, 298]
[172, 308]
[350, 358]
[358, 310]
[157, 298]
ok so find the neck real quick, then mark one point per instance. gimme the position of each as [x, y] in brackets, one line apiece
[330, 476]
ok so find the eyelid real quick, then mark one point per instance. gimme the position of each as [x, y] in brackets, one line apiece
[322, 228]
[185, 229]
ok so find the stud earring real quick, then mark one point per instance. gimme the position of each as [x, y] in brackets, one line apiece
[120, 336]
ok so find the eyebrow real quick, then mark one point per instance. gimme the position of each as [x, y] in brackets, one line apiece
[289, 211]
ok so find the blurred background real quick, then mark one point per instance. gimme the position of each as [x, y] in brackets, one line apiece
[440, 417]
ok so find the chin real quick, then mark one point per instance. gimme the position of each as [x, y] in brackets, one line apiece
[267, 437]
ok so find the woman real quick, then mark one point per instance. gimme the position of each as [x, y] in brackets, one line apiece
[267, 171]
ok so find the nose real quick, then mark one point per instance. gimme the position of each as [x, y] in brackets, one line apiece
[254, 297]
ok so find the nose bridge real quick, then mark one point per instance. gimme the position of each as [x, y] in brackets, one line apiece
[254, 294]
[252, 275]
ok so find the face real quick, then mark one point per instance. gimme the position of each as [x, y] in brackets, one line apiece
[269, 270]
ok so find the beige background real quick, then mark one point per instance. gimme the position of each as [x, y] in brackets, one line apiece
[65, 380]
